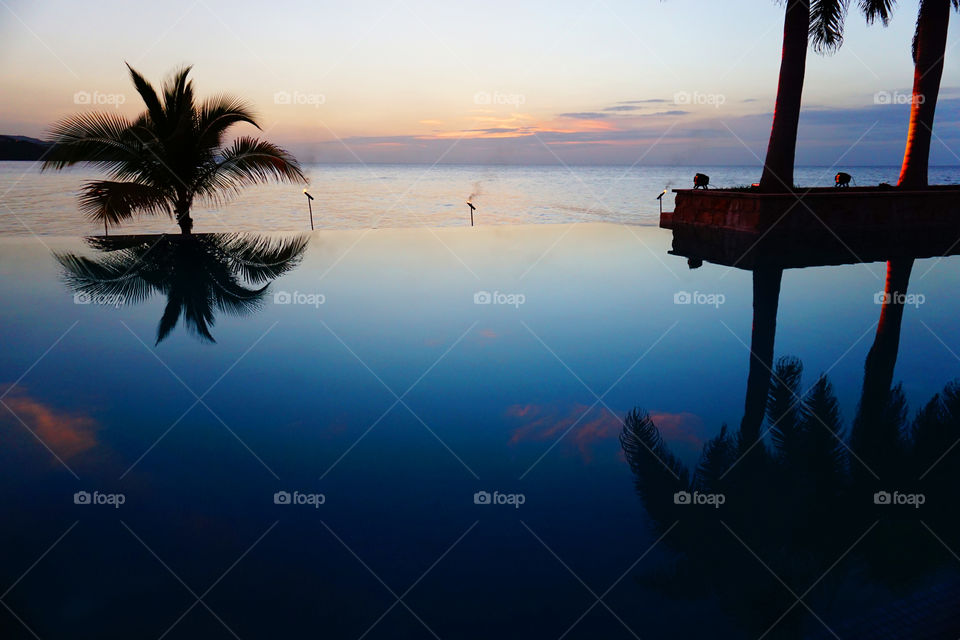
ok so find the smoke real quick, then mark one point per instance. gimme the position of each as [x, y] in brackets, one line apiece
[477, 191]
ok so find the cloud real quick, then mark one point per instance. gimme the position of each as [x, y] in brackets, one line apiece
[673, 112]
[583, 115]
[866, 135]
[680, 428]
[67, 433]
[517, 130]
[584, 426]
[623, 107]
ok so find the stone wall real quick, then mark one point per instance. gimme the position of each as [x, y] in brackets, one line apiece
[842, 211]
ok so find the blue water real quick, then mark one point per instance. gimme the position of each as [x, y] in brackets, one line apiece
[300, 394]
[361, 197]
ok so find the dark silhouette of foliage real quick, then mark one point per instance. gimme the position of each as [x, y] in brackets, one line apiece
[200, 274]
[807, 510]
[170, 155]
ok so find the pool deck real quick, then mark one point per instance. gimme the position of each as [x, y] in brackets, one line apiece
[815, 227]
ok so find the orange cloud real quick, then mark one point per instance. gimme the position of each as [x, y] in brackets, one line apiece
[586, 426]
[66, 433]
[683, 427]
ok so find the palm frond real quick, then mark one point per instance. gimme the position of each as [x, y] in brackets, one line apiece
[259, 259]
[149, 96]
[783, 403]
[718, 456]
[109, 275]
[248, 161]
[881, 10]
[648, 456]
[822, 428]
[114, 202]
[169, 318]
[178, 93]
[827, 18]
[218, 114]
[95, 137]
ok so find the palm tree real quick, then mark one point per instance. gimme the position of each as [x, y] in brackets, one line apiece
[803, 509]
[199, 274]
[168, 156]
[819, 22]
[929, 48]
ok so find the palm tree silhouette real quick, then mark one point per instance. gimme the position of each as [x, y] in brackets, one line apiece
[167, 157]
[819, 22]
[801, 497]
[929, 49]
[199, 274]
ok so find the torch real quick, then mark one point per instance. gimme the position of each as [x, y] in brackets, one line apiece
[310, 207]
[660, 199]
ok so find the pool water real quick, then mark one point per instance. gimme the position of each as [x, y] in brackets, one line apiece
[417, 433]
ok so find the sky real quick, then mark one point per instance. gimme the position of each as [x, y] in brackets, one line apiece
[532, 82]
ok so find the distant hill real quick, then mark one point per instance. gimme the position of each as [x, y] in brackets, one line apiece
[22, 148]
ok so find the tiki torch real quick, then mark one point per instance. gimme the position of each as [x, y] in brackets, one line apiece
[660, 199]
[310, 207]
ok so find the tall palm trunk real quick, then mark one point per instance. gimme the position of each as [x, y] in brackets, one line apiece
[781, 151]
[766, 299]
[930, 47]
[882, 357]
[182, 213]
[185, 222]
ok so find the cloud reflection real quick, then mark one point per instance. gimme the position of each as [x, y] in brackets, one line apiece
[67, 433]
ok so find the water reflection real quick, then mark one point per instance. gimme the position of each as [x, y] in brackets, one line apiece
[805, 527]
[200, 275]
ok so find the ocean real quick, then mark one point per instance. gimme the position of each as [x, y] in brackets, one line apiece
[376, 196]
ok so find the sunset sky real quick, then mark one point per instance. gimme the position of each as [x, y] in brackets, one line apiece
[609, 81]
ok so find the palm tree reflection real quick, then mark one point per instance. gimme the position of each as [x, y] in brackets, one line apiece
[803, 513]
[200, 275]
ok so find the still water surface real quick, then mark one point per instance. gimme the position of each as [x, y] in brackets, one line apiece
[367, 372]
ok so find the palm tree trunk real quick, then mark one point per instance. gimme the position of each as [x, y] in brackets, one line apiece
[882, 357]
[182, 215]
[931, 43]
[766, 299]
[781, 151]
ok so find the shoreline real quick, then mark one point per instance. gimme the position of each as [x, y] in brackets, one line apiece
[520, 226]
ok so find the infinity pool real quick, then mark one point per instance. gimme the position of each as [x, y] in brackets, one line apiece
[417, 433]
